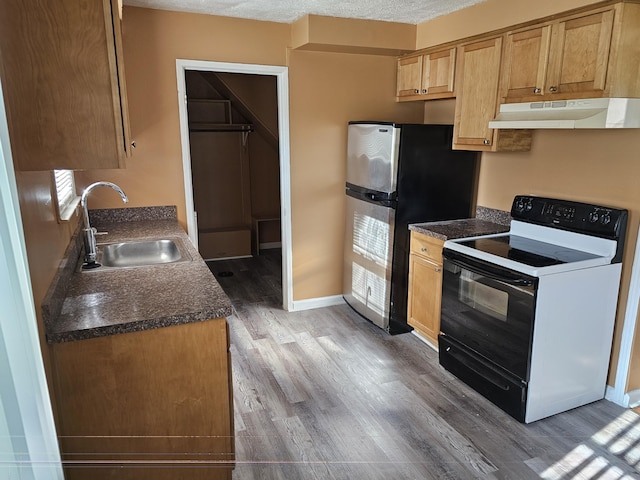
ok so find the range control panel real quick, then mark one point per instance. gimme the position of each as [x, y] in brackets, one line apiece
[577, 217]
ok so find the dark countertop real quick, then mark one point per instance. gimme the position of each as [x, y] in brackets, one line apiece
[470, 227]
[83, 305]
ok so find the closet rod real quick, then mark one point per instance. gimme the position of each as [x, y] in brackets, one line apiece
[220, 127]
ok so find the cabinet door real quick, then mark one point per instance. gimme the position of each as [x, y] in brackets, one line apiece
[477, 77]
[409, 76]
[525, 63]
[135, 406]
[425, 296]
[579, 55]
[438, 71]
[63, 82]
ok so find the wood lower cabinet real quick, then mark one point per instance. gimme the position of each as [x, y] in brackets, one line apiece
[425, 285]
[426, 77]
[63, 81]
[151, 404]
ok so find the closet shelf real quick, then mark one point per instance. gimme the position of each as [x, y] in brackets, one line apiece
[220, 127]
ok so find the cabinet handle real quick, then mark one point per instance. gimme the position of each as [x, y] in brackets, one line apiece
[423, 249]
[553, 89]
[486, 141]
[133, 144]
[537, 90]
[424, 90]
[437, 269]
[416, 91]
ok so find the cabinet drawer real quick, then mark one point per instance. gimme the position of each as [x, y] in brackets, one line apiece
[427, 246]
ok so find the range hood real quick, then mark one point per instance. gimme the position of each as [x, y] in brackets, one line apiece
[584, 113]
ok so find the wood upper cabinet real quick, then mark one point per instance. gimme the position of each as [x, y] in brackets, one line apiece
[63, 82]
[428, 76]
[438, 73]
[409, 81]
[526, 56]
[477, 83]
[477, 80]
[425, 285]
[560, 60]
[579, 55]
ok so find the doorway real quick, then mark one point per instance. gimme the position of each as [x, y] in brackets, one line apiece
[212, 71]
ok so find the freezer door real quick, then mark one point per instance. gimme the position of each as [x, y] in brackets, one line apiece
[372, 156]
[368, 259]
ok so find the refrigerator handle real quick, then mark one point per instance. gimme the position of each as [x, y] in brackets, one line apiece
[371, 196]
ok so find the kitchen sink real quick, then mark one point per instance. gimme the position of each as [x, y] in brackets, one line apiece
[140, 254]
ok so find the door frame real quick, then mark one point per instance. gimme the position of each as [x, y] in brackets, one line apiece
[282, 77]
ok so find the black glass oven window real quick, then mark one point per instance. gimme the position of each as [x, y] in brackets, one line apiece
[490, 317]
[528, 251]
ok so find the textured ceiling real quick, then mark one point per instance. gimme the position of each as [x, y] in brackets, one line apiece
[288, 11]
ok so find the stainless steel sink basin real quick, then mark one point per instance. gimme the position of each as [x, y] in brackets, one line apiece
[140, 254]
[135, 254]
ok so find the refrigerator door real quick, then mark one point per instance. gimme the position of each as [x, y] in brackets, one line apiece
[372, 156]
[367, 257]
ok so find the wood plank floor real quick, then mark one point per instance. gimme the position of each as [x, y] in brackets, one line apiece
[324, 394]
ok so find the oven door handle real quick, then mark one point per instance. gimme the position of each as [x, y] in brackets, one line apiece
[488, 270]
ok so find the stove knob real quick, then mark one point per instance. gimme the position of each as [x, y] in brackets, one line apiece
[606, 219]
[519, 205]
[593, 217]
[529, 205]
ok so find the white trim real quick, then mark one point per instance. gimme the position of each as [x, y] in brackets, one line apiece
[282, 77]
[311, 303]
[617, 394]
[609, 394]
[24, 395]
[425, 340]
[633, 398]
[219, 259]
[192, 223]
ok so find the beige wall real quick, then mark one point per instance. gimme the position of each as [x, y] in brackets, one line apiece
[326, 91]
[46, 241]
[332, 34]
[489, 15]
[591, 166]
[153, 40]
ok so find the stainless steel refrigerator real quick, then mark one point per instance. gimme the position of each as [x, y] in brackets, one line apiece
[397, 174]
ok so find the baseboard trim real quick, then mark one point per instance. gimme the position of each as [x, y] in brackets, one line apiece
[633, 398]
[626, 400]
[311, 303]
[424, 340]
[614, 396]
[226, 258]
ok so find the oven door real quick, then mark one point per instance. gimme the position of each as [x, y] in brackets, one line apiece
[489, 310]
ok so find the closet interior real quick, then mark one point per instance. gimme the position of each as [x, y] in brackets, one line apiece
[233, 136]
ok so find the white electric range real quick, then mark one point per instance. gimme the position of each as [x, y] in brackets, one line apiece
[528, 315]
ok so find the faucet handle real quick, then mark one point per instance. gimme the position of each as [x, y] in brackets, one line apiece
[101, 233]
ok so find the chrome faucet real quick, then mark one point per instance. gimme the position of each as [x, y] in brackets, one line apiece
[90, 249]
